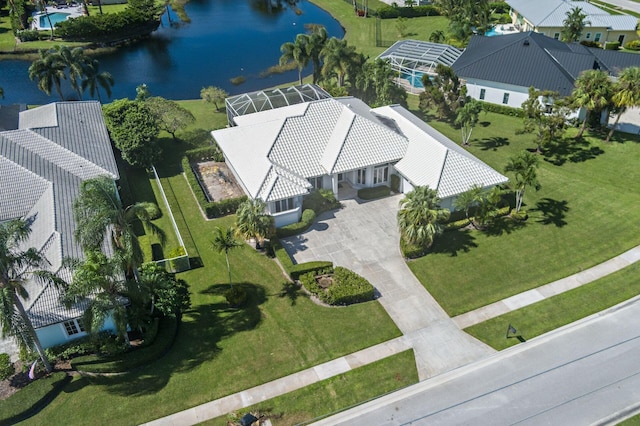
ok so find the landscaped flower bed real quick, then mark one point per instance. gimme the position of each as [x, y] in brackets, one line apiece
[338, 287]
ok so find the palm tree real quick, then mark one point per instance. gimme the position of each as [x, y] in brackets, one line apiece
[43, 6]
[296, 52]
[340, 60]
[420, 216]
[574, 24]
[252, 221]
[523, 166]
[17, 267]
[99, 212]
[626, 94]
[99, 280]
[468, 199]
[314, 45]
[593, 90]
[75, 62]
[223, 241]
[94, 79]
[48, 70]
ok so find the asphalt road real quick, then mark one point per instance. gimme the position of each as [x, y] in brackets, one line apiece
[625, 4]
[581, 374]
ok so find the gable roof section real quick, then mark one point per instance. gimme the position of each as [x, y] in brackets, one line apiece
[20, 189]
[433, 159]
[552, 13]
[525, 59]
[614, 61]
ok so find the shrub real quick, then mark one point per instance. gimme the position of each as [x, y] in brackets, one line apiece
[374, 192]
[317, 267]
[391, 12]
[103, 343]
[179, 262]
[395, 183]
[31, 399]
[502, 109]
[590, 43]
[306, 221]
[347, 288]
[167, 329]
[410, 250]
[611, 45]
[632, 45]
[504, 18]
[6, 366]
[153, 210]
[206, 153]
[499, 7]
[236, 296]
[458, 224]
[28, 35]
[521, 215]
[320, 201]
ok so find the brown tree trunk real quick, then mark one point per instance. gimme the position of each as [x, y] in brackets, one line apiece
[615, 123]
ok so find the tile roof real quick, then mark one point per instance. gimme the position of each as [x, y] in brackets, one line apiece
[56, 147]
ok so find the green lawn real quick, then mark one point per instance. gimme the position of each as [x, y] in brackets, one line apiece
[219, 350]
[585, 213]
[552, 313]
[335, 394]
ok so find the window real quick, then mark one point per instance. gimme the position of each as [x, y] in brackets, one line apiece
[362, 176]
[316, 182]
[505, 98]
[284, 205]
[482, 93]
[380, 174]
[621, 39]
[556, 36]
[588, 36]
[71, 327]
[597, 37]
[340, 177]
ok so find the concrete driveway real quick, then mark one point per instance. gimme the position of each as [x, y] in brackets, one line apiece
[363, 237]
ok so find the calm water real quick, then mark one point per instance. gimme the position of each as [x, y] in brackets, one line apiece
[225, 39]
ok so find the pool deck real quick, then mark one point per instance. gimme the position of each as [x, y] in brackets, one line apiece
[72, 11]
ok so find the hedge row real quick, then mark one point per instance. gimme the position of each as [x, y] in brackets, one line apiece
[502, 109]
[206, 153]
[388, 12]
[374, 192]
[295, 228]
[632, 45]
[166, 334]
[295, 271]
[347, 288]
[211, 209]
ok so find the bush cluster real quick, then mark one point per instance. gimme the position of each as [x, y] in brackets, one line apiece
[590, 43]
[6, 366]
[457, 224]
[521, 215]
[31, 35]
[211, 209]
[306, 221]
[103, 343]
[374, 192]
[320, 201]
[235, 296]
[632, 45]
[206, 153]
[611, 45]
[389, 12]
[317, 267]
[395, 183]
[410, 250]
[502, 109]
[347, 288]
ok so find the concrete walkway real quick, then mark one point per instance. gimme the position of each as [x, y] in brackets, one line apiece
[363, 236]
[549, 290]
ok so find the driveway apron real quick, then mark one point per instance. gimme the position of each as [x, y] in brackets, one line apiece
[363, 237]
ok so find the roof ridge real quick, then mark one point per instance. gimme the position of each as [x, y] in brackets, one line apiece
[347, 118]
[24, 168]
[559, 65]
[44, 287]
[493, 52]
[444, 164]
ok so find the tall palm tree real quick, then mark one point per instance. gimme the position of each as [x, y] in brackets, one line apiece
[17, 267]
[626, 94]
[314, 45]
[49, 71]
[339, 60]
[574, 23]
[523, 167]
[296, 52]
[99, 212]
[593, 91]
[252, 221]
[420, 216]
[99, 280]
[224, 241]
[94, 79]
[74, 61]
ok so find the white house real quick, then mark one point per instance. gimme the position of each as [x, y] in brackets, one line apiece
[281, 154]
[42, 164]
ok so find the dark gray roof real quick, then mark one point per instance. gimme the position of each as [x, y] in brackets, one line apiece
[533, 59]
[9, 116]
[46, 166]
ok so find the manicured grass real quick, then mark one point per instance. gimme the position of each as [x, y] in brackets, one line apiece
[219, 350]
[30, 399]
[552, 313]
[335, 394]
[585, 213]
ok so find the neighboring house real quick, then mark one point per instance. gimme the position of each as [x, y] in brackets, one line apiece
[547, 17]
[42, 164]
[281, 154]
[501, 69]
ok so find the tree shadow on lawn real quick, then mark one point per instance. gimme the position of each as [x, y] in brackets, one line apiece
[572, 150]
[291, 291]
[452, 242]
[503, 225]
[199, 334]
[492, 144]
[553, 211]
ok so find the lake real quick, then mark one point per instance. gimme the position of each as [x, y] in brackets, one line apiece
[224, 40]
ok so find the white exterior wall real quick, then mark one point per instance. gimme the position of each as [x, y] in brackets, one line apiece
[55, 334]
[287, 217]
[494, 92]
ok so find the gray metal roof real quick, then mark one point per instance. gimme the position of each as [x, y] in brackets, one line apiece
[525, 59]
[552, 13]
[420, 55]
[46, 166]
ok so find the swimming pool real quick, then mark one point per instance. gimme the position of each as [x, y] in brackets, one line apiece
[415, 80]
[54, 17]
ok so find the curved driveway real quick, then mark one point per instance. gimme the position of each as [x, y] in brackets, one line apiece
[363, 237]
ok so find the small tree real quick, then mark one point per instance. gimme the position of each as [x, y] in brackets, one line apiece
[224, 241]
[626, 94]
[544, 116]
[444, 93]
[593, 91]
[467, 118]
[401, 26]
[214, 95]
[574, 24]
[523, 167]
[437, 36]
[252, 221]
[468, 200]
[169, 115]
[420, 216]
